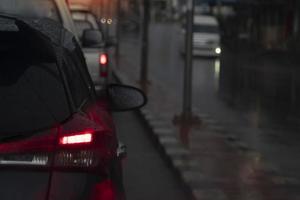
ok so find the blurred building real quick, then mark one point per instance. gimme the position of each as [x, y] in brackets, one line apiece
[102, 8]
[271, 23]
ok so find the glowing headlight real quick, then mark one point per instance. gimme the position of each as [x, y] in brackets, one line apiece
[218, 50]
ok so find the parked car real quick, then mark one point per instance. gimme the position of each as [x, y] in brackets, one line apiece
[206, 36]
[94, 44]
[57, 138]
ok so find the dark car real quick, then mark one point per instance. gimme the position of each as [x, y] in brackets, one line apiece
[57, 138]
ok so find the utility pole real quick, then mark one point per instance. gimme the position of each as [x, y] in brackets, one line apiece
[188, 70]
[186, 121]
[219, 7]
[145, 41]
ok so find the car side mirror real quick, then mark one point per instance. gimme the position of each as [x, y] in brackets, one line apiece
[125, 98]
[92, 38]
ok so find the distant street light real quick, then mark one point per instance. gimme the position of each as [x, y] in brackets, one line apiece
[187, 93]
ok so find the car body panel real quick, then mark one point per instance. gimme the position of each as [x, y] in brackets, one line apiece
[205, 44]
[17, 185]
[92, 61]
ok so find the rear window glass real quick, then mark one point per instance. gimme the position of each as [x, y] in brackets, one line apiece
[32, 96]
[85, 16]
[81, 26]
[32, 93]
[30, 8]
[84, 20]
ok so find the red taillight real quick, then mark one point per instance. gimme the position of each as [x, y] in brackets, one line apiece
[103, 59]
[81, 138]
[78, 144]
[81, 156]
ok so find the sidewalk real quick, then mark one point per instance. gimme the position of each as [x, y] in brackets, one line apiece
[215, 164]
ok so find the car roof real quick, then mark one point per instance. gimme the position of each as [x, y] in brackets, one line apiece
[205, 19]
[79, 7]
[85, 15]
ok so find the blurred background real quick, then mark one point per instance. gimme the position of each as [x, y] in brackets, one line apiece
[223, 85]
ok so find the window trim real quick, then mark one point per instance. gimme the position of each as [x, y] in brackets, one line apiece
[68, 61]
[66, 85]
[83, 69]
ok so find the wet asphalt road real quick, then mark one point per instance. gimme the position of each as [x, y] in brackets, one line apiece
[250, 125]
[146, 174]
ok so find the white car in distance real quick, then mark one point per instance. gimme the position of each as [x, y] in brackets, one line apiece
[206, 36]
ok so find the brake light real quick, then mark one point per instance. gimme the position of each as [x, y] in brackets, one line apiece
[85, 137]
[103, 59]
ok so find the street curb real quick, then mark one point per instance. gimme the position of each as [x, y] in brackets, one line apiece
[175, 155]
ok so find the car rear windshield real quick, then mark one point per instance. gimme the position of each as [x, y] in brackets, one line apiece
[206, 29]
[81, 26]
[30, 8]
[84, 21]
[32, 91]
